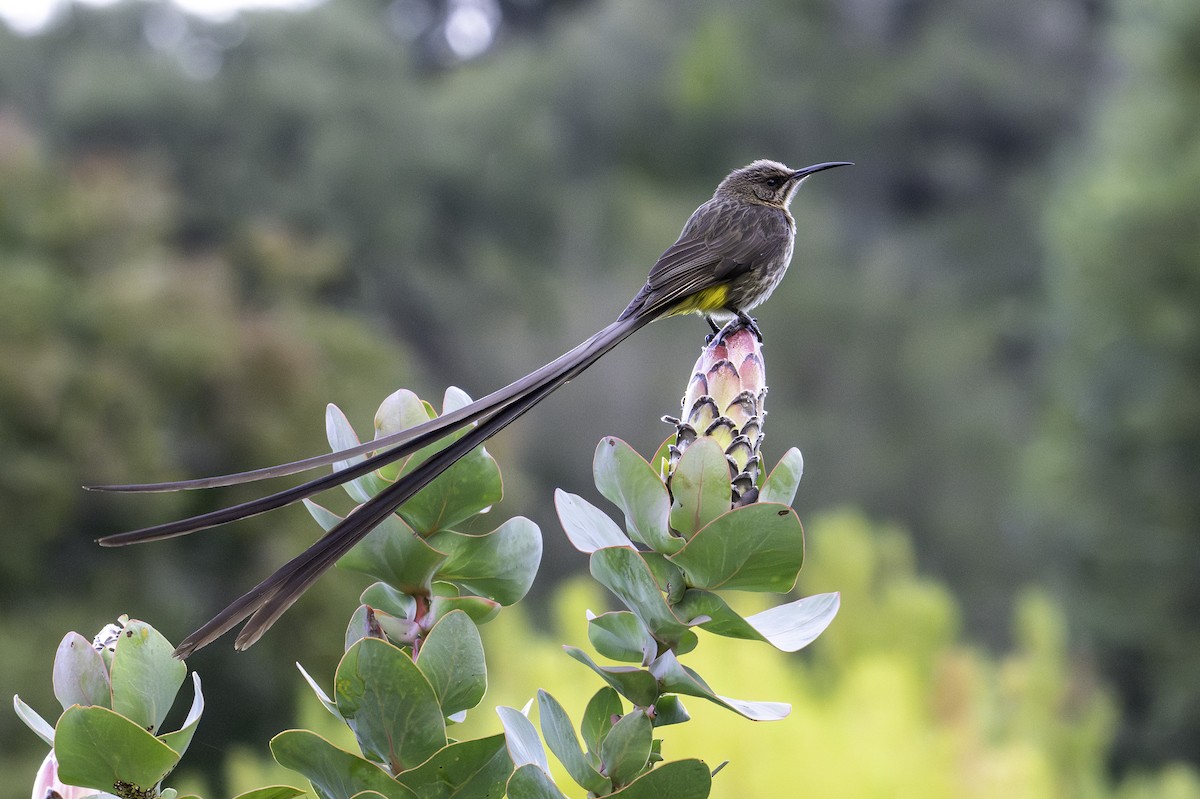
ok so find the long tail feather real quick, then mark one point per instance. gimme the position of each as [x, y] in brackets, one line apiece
[429, 431]
[268, 600]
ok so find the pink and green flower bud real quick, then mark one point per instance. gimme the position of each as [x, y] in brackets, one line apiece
[724, 401]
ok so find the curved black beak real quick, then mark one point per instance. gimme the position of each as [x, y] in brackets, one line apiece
[800, 174]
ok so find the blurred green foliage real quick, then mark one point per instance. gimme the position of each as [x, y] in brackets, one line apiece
[1116, 473]
[989, 332]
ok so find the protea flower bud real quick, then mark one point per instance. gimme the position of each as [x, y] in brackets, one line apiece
[724, 401]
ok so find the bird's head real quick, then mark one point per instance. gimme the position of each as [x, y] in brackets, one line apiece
[769, 182]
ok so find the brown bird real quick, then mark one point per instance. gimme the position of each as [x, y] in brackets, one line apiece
[732, 253]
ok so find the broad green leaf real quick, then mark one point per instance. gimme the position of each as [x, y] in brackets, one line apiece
[781, 484]
[669, 710]
[499, 565]
[399, 411]
[620, 635]
[531, 782]
[334, 772]
[451, 658]
[389, 704]
[636, 685]
[793, 626]
[322, 697]
[33, 720]
[382, 596]
[788, 627]
[479, 609]
[97, 747]
[587, 527]
[468, 487]
[679, 779]
[521, 738]
[626, 749]
[759, 547]
[625, 573]
[475, 769]
[676, 678]
[80, 676]
[629, 482]
[700, 487]
[145, 675]
[602, 708]
[560, 737]
[272, 792]
[341, 436]
[181, 738]
[391, 552]
[669, 576]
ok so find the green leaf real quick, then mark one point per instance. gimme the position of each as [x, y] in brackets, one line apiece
[669, 710]
[667, 575]
[334, 773]
[626, 749]
[759, 547]
[391, 552]
[471, 485]
[679, 779]
[33, 720]
[700, 487]
[629, 482]
[80, 676]
[793, 626]
[479, 609]
[452, 660]
[598, 716]
[401, 410]
[389, 704]
[781, 484]
[341, 436]
[145, 675]
[676, 678]
[636, 685]
[499, 565]
[475, 769]
[531, 782]
[182, 738]
[272, 792]
[324, 699]
[587, 527]
[382, 596]
[620, 635]
[560, 737]
[97, 747]
[521, 738]
[625, 573]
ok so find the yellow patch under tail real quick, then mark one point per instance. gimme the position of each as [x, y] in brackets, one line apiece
[707, 300]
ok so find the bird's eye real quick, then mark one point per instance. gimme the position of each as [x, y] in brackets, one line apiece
[773, 183]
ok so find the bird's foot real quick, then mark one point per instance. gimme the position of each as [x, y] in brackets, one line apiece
[715, 330]
[740, 322]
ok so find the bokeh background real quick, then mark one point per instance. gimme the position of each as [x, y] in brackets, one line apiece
[988, 347]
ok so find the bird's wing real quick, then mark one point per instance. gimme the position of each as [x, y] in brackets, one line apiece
[718, 244]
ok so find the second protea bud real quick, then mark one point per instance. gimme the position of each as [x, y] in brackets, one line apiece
[724, 402]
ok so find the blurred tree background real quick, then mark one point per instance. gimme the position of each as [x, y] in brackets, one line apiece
[210, 228]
